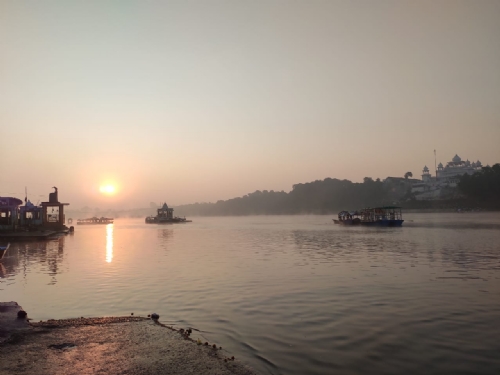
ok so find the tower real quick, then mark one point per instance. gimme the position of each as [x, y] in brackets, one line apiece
[435, 168]
[426, 176]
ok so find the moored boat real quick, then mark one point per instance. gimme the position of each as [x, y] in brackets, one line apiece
[385, 216]
[30, 222]
[165, 215]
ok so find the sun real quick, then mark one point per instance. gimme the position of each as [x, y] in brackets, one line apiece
[107, 189]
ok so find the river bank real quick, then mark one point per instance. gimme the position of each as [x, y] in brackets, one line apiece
[110, 345]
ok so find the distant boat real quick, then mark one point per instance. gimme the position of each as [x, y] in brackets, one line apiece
[165, 215]
[3, 250]
[95, 220]
[386, 216]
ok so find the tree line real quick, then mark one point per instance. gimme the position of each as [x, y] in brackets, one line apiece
[318, 197]
[332, 195]
[483, 185]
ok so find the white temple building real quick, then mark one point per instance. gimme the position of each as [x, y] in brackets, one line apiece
[431, 187]
[456, 168]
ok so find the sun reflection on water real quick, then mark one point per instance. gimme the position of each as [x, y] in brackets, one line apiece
[109, 243]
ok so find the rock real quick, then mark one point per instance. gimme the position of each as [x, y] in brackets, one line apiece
[21, 314]
[9, 322]
[155, 316]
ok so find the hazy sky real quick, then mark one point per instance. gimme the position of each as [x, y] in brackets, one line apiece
[185, 101]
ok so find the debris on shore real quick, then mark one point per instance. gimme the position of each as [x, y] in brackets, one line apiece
[112, 345]
[13, 319]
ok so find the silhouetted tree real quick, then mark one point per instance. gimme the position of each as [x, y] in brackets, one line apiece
[408, 174]
[483, 185]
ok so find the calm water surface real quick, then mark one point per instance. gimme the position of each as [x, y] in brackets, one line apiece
[287, 294]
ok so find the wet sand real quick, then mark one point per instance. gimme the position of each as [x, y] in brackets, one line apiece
[115, 345]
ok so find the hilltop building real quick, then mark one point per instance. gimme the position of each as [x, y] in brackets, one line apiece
[456, 168]
[445, 180]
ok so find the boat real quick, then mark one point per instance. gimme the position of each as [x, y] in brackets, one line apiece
[348, 218]
[165, 215]
[32, 222]
[3, 250]
[385, 216]
[95, 220]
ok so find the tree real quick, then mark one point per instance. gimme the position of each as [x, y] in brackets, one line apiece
[408, 174]
[484, 185]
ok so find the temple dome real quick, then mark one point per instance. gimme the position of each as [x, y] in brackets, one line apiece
[478, 164]
[456, 159]
[426, 169]
[440, 165]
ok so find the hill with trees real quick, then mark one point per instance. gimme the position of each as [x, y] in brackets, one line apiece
[331, 195]
[318, 197]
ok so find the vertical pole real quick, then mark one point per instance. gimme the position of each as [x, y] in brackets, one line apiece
[435, 167]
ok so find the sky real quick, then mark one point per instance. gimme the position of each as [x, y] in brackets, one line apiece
[197, 101]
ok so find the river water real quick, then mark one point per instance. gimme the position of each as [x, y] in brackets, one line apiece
[286, 294]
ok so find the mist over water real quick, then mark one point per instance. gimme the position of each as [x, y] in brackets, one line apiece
[286, 294]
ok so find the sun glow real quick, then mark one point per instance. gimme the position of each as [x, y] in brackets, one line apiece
[107, 189]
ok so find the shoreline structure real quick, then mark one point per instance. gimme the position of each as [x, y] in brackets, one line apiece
[132, 345]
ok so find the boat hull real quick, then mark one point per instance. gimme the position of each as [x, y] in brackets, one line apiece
[383, 223]
[348, 222]
[153, 220]
[95, 223]
[31, 235]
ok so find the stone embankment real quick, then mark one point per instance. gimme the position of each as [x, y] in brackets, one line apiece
[111, 345]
